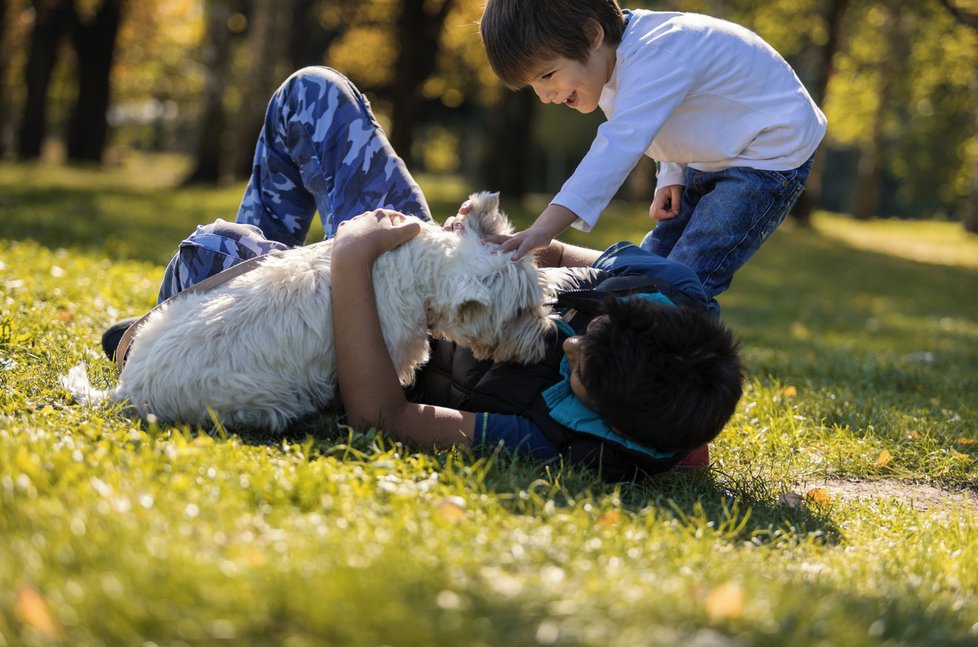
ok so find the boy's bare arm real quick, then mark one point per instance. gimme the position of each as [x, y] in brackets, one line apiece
[371, 393]
[558, 254]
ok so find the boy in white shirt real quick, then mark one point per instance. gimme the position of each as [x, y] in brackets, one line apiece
[731, 127]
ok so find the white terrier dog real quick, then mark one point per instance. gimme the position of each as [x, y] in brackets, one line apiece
[258, 351]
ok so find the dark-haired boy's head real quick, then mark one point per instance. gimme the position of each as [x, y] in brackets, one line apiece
[519, 35]
[668, 378]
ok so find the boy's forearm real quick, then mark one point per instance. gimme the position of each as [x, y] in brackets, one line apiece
[558, 254]
[370, 390]
[555, 219]
[369, 387]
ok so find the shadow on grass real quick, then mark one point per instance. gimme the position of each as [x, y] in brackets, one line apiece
[833, 293]
[125, 224]
[736, 508]
[876, 332]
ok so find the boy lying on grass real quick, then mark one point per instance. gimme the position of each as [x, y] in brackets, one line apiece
[644, 383]
[630, 390]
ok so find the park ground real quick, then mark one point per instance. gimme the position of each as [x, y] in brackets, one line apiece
[839, 509]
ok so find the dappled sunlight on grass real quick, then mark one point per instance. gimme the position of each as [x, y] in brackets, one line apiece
[940, 243]
[126, 214]
[862, 364]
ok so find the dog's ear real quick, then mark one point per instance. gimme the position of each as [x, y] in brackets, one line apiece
[469, 294]
[485, 217]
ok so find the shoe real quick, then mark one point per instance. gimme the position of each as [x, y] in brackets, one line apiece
[113, 335]
[699, 458]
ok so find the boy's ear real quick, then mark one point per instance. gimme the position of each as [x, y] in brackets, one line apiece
[597, 40]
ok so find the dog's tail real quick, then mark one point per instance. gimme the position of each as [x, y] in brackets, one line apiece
[76, 382]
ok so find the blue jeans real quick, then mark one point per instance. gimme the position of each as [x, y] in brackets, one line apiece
[724, 218]
[320, 149]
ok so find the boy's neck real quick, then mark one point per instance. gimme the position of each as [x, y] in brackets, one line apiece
[608, 56]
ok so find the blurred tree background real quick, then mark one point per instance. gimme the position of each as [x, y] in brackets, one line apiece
[88, 81]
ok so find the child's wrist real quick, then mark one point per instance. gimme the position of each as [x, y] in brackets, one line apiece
[555, 219]
[353, 252]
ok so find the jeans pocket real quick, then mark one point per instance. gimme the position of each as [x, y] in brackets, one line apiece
[785, 183]
[779, 213]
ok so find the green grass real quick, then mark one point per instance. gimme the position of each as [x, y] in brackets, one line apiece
[115, 532]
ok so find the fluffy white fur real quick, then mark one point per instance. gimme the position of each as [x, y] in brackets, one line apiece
[258, 351]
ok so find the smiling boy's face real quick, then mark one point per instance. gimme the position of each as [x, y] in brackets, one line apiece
[576, 84]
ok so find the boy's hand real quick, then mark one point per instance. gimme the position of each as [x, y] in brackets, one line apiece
[454, 223]
[665, 204]
[370, 234]
[548, 225]
[523, 242]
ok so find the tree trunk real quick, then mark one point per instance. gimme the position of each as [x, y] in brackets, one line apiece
[969, 216]
[4, 97]
[309, 40]
[216, 60]
[50, 23]
[418, 30]
[94, 44]
[507, 156]
[834, 13]
[866, 204]
[270, 22]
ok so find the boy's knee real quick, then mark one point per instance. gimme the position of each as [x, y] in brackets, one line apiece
[322, 79]
[318, 74]
[225, 229]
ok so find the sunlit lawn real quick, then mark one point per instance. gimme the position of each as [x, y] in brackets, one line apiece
[861, 341]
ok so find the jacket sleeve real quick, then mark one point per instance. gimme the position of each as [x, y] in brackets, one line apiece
[627, 258]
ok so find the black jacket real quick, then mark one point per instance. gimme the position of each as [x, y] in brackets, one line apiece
[454, 378]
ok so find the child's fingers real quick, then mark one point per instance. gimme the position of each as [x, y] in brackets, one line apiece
[495, 239]
[524, 249]
[407, 229]
[454, 223]
[509, 244]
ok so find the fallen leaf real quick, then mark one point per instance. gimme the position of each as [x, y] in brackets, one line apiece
[609, 519]
[725, 601]
[65, 316]
[450, 509]
[32, 610]
[967, 442]
[818, 495]
[789, 392]
[958, 455]
[884, 458]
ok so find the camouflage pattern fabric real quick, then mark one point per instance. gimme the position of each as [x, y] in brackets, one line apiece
[320, 149]
[211, 249]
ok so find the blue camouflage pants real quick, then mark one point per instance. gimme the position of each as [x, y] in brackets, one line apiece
[320, 149]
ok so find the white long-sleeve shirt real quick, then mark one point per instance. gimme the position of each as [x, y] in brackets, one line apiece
[691, 90]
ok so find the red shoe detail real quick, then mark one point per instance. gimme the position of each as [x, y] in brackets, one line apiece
[698, 458]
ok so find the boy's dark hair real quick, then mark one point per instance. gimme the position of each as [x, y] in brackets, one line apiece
[519, 35]
[665, 377]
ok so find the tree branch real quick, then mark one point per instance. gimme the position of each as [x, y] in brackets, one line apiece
[963, 16]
